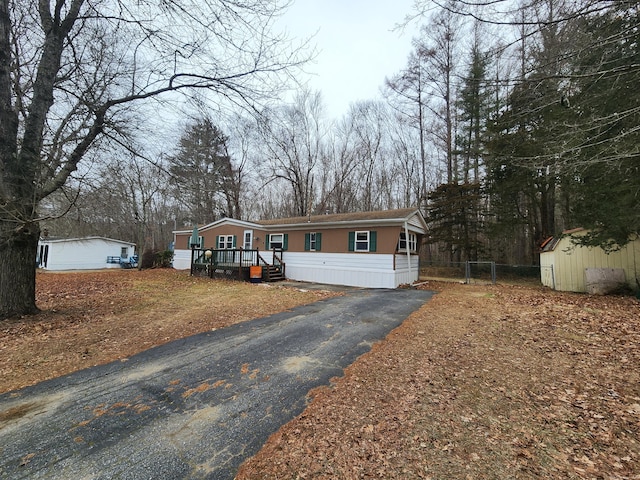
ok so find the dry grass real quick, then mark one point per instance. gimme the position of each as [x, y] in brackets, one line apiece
[90, 318]
[483, 382]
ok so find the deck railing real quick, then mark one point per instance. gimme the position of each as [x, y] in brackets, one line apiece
[233, 263]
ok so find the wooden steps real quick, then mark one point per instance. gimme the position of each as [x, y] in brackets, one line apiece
[273, 273]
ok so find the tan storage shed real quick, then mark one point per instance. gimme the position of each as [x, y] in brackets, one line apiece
[565, 266]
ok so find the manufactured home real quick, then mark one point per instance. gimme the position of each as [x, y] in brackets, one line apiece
[88, 253]
[566, 265]
[366, 249]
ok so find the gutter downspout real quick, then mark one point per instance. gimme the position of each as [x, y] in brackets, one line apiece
[406, 237]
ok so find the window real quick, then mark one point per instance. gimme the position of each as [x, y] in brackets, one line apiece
[402, 242]
[276, 240]
[226, 242]
[198, 243]
[362, 241]
[124, 252]
[44, 254]
[312, 242]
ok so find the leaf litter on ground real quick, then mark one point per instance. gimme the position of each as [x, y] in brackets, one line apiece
[482, 382]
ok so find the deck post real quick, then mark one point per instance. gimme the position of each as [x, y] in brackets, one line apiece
[208, 255]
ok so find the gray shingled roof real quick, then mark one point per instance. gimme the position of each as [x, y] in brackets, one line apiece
[342, 217]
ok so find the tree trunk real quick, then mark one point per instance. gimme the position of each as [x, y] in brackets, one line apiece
[18, 247]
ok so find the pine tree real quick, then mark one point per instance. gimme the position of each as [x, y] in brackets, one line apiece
[606, 137]
[203, 174]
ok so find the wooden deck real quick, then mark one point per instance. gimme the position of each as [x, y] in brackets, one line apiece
[237, 264]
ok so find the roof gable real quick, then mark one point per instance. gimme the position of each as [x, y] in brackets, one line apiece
[221, 222]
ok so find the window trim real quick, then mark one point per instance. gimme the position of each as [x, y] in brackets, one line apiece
[372, 241]
[190, 242]
[413, 242]
[366, 242]
[225, 242]
[282, 242]
[317, 242]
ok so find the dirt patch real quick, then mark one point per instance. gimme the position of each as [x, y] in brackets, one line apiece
[483, 382]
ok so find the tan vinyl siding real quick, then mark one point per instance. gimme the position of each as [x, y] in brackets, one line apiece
[336, 240]
[210, 235]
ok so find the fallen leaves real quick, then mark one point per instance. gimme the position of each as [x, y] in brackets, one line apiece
[495, 382]
[90, 318]
[483, 382]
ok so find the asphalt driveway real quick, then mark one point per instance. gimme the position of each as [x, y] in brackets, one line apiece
[193, 408]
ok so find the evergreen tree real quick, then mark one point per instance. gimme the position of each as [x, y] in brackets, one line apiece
[473, 102]
[525, 146]
[606, 139]
[454, 220]
[203, 174]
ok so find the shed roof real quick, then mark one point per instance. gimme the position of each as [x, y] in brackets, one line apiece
[551, 243]
[83, 239]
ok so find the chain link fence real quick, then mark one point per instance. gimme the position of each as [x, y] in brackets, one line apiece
[480, 272]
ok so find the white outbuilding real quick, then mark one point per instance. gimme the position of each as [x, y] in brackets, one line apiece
[566, 265]
[88, 253]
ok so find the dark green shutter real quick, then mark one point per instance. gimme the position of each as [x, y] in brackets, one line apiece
[373, 241]
[307, 241]
[318, 241]
[352, 241]
[217, 242]
[234, 241]
[285, 241]
[266, 242]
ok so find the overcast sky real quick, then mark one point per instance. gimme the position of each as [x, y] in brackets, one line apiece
[356, 46]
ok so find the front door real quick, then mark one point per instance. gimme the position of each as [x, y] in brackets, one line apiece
[247, 244]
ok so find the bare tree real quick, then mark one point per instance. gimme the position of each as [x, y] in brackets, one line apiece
[127, 198]
[408, 96]
[71, 69]
[438, 49]
[369, 123]
[294, 140]
[338, 180]
[415, 174]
